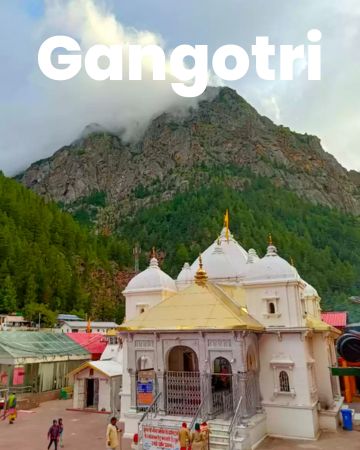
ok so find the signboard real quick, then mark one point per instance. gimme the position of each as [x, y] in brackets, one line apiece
[160, 438]
[145, 388]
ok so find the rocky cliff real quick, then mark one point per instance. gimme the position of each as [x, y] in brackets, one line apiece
[224, 130]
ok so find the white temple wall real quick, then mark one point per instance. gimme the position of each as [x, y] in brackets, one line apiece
[284, 352]
[137, 302]
[276, 304]
[292, 422]
[326, 384]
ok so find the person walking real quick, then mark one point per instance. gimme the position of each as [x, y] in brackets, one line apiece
[53, 434]
[11, 408]
[184, 437]
[197, 439]
[61, 432]
[112, 439]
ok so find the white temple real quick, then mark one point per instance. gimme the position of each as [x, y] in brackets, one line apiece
[236, 340]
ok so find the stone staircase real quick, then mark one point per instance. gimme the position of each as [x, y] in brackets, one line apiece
[219, 437]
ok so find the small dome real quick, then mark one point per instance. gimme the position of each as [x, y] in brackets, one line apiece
[152, 278]
[185, 275]
[310, 291]
[225, 258]
[253, 256]
[271, 267]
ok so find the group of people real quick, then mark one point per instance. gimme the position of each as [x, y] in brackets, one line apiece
[196, 440]
[56, 433]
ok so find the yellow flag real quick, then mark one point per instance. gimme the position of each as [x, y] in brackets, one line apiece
[226, 224]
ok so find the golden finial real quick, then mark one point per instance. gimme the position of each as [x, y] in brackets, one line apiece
[88, 326]
[292, 261]
[201, 275]
[270, 241]
[218, 241]
[153, 253]
[226, 224]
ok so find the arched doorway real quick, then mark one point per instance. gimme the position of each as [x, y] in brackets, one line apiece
[221, 386]
[183, 393]
[182, 359]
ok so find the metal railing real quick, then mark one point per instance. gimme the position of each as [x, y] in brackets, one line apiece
[153, 408]
[235, 421]
[148, 415]
[20, 390]
[222, 403]
[200, 414]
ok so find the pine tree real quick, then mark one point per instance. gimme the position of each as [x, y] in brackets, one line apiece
[8, 296]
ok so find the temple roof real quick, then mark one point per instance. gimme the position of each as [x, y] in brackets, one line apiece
[198, 307]
[319, 325]
[224, 259]
[152, 278]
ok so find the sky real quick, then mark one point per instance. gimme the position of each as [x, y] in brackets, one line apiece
[38, 115]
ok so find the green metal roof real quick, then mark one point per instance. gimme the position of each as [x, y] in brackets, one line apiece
[38, 344]
[345, 371]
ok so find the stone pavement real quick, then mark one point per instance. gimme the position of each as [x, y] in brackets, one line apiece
[82, 431]
[343, 440]
[86, 431]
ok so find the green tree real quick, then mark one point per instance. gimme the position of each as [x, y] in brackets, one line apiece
[35, 311]
[8, 296]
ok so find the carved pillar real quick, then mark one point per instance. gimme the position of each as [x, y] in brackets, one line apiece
[132, 374]
[161, 380]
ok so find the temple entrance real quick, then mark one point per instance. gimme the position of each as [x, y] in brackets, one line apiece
[183, 393]
[221, 387]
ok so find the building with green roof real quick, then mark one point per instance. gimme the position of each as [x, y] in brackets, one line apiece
[40, 360]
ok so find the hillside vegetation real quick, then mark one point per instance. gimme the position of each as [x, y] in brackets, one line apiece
[49, 263]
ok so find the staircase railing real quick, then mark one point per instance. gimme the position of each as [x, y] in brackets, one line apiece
[151, 412]
[200, 413]
[234, 423]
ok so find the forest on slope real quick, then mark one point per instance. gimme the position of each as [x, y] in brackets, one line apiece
[49, 263]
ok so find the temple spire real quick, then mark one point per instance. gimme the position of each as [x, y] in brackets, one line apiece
[201, 275]
[153, 258]
[271, 250]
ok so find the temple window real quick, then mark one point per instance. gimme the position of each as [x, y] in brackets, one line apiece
[283, 367]
[141, 308]
[271, 307]
[284, 381]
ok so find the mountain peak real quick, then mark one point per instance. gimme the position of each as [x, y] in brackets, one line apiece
[223, 130]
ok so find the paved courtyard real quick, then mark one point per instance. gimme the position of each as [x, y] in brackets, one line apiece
[86, 431]
[343, 440]
[82, 431]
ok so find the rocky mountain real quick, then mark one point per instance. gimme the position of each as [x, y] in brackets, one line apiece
[224, 130]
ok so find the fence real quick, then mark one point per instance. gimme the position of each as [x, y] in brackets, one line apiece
[185, 391]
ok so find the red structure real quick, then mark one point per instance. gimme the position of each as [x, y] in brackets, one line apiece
[94, 343]
[335, 319]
